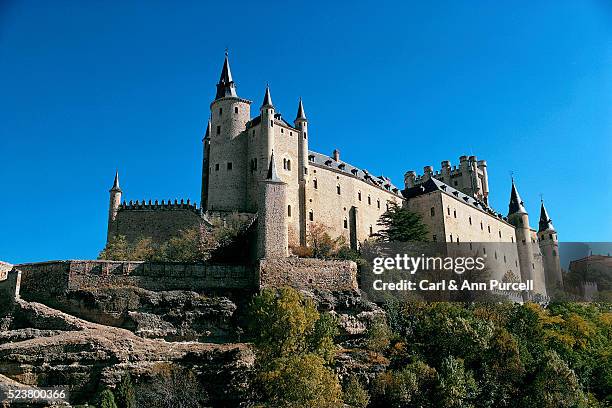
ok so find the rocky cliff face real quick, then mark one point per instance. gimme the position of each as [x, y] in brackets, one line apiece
[45, 347]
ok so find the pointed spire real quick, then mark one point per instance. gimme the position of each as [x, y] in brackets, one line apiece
[267, 98]
[516, 204]
[545, 221]
[226, 86]
[116, 182]
[208, 131]
[272, 173]
[300, 112]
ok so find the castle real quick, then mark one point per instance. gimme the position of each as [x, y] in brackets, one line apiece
[261, 168]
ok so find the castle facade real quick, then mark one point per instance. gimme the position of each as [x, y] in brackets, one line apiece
[261, 167]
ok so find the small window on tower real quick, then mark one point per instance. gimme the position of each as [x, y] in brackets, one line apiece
[338, 189]
[217, 167]
[455, 213]
[218, 130]
[369, 200]
[470, 219]
[378, 204]
[345, 223]
[289, 210]
[311, 215]
[432, 211]
[371, 230]
[434, 238]
[220, 111]
[229, 165]
[448, 210]
[236, 109]
[289, 165]
[489, 228]
[304, 135]
[315, 184]
[359, 195]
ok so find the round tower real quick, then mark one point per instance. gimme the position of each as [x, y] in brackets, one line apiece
[205, 167]
[113, 207]
[227, 161]
[549, 246]
[518, 217]
[301, 124]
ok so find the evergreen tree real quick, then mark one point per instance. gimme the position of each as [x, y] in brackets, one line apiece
[401, 225]
[107, 399]
[126, 397]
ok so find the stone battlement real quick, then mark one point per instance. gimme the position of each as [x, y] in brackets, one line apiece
[155, 205]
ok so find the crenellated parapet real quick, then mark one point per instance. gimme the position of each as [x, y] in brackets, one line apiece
[470, 176]
[156, 205]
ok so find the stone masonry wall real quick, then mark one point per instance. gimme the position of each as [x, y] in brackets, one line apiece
[41, 281]
[155, 222]
[306, 273]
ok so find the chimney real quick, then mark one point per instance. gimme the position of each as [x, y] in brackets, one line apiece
[336, 155]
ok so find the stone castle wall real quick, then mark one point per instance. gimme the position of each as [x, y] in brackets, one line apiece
[41, 281]
[158, 222]
[307, 273]
[335, 210]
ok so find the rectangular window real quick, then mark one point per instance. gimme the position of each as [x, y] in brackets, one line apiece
[434, 238]
[217, 167]
[229, 165]
[432, 211]
[236, 109]
[218, 130]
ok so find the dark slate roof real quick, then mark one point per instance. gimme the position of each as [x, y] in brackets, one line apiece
[433, 184]
[344, 167]
[545, 221]
[516, 204]
[267, 98]
[300, 112]
[226, 86]
[272, 173]
[257, 120]
[116, 182]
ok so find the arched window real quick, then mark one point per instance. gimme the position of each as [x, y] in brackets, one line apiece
[310, 215]
[289, 210]
[345, 223]
[359, 195]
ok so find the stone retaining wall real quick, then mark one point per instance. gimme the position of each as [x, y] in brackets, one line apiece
[307, 273]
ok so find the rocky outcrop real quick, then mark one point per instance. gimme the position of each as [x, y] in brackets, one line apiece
[45, 347]
[172, 315]
[353, 311]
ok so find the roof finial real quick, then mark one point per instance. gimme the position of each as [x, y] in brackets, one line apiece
[226, 52]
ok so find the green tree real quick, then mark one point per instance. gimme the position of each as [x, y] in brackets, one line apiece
[412, 386]
[456, 385]
[378, 335]
[281, 321]
[116, 248]
[401, 225]
[107, 399]
[126, 397]
[300, 380]
[355, 395]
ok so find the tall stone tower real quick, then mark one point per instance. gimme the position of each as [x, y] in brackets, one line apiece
[272, 235]
[301, 124]
[227, 161]
[113, 207]
[549, 246]
[518, 217]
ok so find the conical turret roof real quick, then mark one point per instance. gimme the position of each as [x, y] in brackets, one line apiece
[116, 182]
[516, 204]
[226, 86]
[272, 173]
[545, 221]
[267, 98]
[300, 112]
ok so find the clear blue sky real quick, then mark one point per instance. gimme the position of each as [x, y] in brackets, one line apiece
[87, 87]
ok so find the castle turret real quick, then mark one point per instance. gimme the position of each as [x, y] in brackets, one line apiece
[205, 167]
[227, 163]
[267, 124]
[301, 124]
[113, 207]
[518, 217]
[272, 234]
[549, 246]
